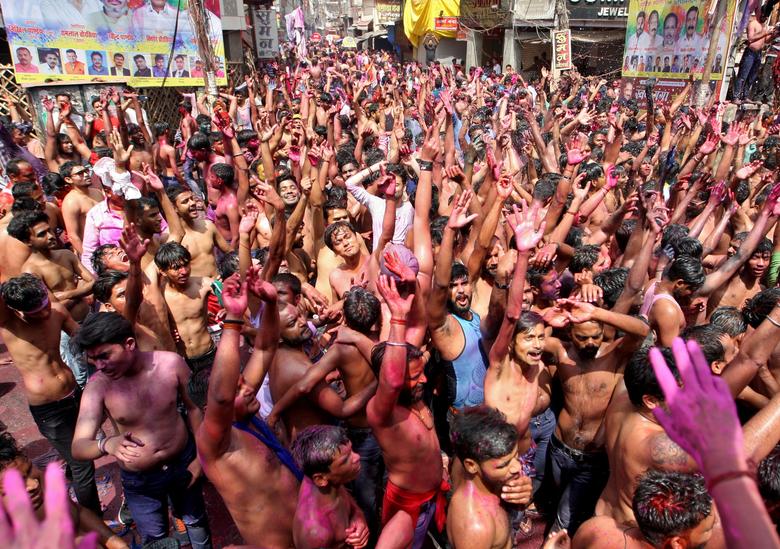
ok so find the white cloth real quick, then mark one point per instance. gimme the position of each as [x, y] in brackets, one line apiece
[119, 183]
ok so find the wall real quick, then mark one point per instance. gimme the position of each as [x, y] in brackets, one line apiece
[448, 47]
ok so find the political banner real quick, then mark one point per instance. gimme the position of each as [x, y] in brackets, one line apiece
[140, 42]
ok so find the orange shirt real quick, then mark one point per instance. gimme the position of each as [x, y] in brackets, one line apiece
[77, 67]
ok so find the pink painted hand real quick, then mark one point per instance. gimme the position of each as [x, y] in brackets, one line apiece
[701, 417]
[234, 295]
[19, 526]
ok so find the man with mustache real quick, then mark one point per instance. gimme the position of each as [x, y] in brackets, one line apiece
[589, 367]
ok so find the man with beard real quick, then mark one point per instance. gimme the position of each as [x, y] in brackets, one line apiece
[589, 368]
[291, 363]
[663, 299]
[404, 427]
[327, 515]
[455, 327]
[486, 445]
[200, 235]
[546, 288]
[253, 473]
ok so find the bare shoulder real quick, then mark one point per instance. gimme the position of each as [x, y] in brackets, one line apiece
[667, 455]
[602, 533]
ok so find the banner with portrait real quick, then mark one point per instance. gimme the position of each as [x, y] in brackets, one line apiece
[669, 40]
[140, 42]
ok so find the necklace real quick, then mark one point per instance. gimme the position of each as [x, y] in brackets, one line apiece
[427, 422]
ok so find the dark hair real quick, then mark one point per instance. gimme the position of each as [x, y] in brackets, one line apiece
[361, 309]
[24, 293]
[23, 188]
[612, 282]
[292, 281]
[458, 271]
[756, 309]
[689, 246]
[105, 284]
[135, 208]
[640, 379]
[331, 229]
[688, 269]
[482, 433]
[527, 321]
[67, 167]
[9, 449]
[14, 166]
[668, 504]
[161, 128]
[730, 320]
[224, 172]
[245, 136]
[22, 223]
[316, 446]
[53, 183]
[199, 141]
[97, 257]
[535, 276]
[228, 265]
[545, 187]
[708, 338]
[172, 255]
[764, 247]
[26, 204]
[672, 234]
[573, 237]
[378, 355]
[585, 257]
[768, 476]
[173, 191]
[139, 56]
[102, 328]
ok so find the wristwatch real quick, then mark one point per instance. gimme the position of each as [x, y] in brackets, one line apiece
[425, 165]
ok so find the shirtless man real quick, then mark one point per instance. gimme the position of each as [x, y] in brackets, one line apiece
[156, 454]
[30, 326]
[291, 363]
[186, 297]
[164, 156]
[486, 445]
[517, 382]
[123, 287]
[200, 235]
[13, 254]
[142, 149]
[342, 239]
[663, 299]
[455, 328]
[403, 425]
[635, 442]
[60, 147]
[221, 177]
[751, 59]
[327, 515]
[350, 354]
[254, 474]
[589, 369]
[671, 510]
[77, 203]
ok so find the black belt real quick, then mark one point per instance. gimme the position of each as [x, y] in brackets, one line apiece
[577, 455]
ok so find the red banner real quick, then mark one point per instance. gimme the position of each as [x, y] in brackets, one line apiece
[446, 24]
[561, 40]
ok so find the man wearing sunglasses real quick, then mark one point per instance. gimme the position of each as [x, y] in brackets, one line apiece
[78, 201]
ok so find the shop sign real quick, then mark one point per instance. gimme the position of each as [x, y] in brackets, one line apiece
[485, 14]
[388, 11]
[598, 10]
[446, 24]
[561, 40]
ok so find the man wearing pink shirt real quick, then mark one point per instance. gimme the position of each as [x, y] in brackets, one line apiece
[25, 63]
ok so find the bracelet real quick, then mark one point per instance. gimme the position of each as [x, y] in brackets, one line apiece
[233, 321]
[395, 344]
[731, 475]
[237, 155]
[231, 326]
[425, 165]
[102, 445]
[501, 286]
[773, 321]
[399, 321]
[570, 213]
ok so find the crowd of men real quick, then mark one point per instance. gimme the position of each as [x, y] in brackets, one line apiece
[377, 304]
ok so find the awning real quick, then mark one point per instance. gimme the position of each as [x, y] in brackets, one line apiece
[363, 24]
[533, 10]
[373, 34]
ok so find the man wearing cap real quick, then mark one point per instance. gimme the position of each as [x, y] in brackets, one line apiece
[104, 222]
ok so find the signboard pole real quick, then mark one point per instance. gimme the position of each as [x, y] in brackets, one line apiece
[704, 84]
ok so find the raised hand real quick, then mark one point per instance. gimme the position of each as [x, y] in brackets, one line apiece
[577, 311]
[397, 267]
[718, 193]
[701, 417]
[772, 203]
[131, 243]
[48, 104]
[459, 216]
[527, 225]
[223, 123]
[248, 218]
[399, 306]
[731, 137]
[121, 155]
[261, 288]
[266, 193]
[612, 179]
[504, 187]
[151, 178]
[234, 295]
[19, 525]
[748, 170]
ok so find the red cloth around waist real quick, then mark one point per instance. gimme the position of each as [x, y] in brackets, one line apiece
[397, 499]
